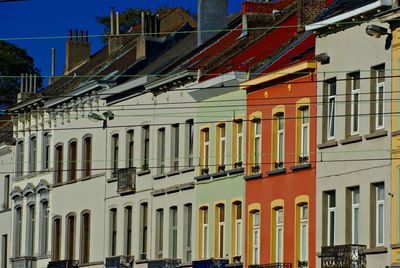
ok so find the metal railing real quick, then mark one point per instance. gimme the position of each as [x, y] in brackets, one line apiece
[343, 256]
[164, 263]
[119, 261]
[272, 265]
[63, 264]
[126, 180]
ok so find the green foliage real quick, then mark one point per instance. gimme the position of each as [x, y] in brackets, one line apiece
[13, 62]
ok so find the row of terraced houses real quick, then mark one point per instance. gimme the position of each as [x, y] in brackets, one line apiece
[274, 143]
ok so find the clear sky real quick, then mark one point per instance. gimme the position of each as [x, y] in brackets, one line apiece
[34, 18]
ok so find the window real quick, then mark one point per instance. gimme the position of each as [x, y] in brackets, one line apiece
[380, 214]
[32, 154]
[146, 147]
[220, 212]
[30, 230]
[143, 230]
[279, 235]
[6, 202]
[113, 232]
[204, 231]
[173, 232]
[239, 141]
[331, 218]
[188, 232]
[43, 228]
[161, 150]
[331, 109]
[114, 152]
[130, 147]
[159, 233]
[4, 251]
[305, 134]
[70, 245]
[17, 232]
[20, 159]
[87, 157]
[205, 150]
[378, 81]
[59, 164]
[56, 239]
[128, 231]
[257, 145]
[175, 147]
[221, 139]
[256, 237]
[190, 140]
[355, 103]
[85, 237]
[304, 234]
[237, 206]
[355, 212]
[46, 151]
[279, 144]
[72, 160]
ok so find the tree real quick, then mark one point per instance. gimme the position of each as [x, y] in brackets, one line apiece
[13, 62]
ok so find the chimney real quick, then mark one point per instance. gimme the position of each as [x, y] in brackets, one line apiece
[27, 87]
[307, 10]
[212, 16]
[77, 50]
[114, 40]
[53, 66]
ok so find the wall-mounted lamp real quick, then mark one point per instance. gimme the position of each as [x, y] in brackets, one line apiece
[323, 58]
[109, 115]
[377, 31]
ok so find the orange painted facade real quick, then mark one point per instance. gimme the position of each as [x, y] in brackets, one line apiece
[288, 189]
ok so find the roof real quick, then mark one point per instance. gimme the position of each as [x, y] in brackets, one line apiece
[6, 130]
[339, 7]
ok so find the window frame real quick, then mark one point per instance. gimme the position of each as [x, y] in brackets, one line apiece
[32, 154]
[188, 221]
[130, 145]
[279, 234]
[304, 222]
[205, 232]
[331, 211]
[87, 155]
[238, 222]
[378, 102]
[146, 147]
[128, 230]
[280, 140]
[220, 223]
[114, 152]
[190, 141]
[355, 234]
[221, 144]
[59, 163]
[72, 160]
[239, 141]
[161, 150]
[331, 115]
[175, 147]
[85, 237]
[355, 91]
[46, 151]
[257, 141]
[256, 237]
[173, 212]
[19, 158]
[70, 237]
[159, 233]
[113, 231]
[380, 203]
[305, 125]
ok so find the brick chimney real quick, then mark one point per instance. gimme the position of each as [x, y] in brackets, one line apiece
[115, 39]
[212, 16]
[77, 50]
[307, 10]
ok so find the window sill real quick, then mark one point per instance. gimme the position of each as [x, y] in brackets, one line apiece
[395, 133]
[252, 177]
[141, 261]
[186, 170]
[144, 172]
[236, 171]
[327, 144]
[219, 174]
[70, 182]
[112, 180]
[173, 173]
[276, 171]
[395, 246]
[43, 257]
[376, 250]
[300, 167]
[202, 177]
[159, 177]
[351, 139]
[5, 210]
[377, 134]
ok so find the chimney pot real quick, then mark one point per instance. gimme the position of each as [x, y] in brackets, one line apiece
[117, 23]
[87, 36]
[112, 21]
[70, 35]
[81, 36]
[143, 21]
[76, 35]
[34, 83]
[22, 83]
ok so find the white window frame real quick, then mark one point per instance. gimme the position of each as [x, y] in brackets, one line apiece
[114, 152]
[279, 235]
[331, 210]
[175, 148]
[221, 228]
[159, 233]
[239, 141]
[256, 237]
[280, 139]
[146, 147]
[355, 206]
[377, 101]
[190, 141]
[238, 230]
[130, 146]
[32, 154]
[206, 147]
[161, 150]
[205, 233]
[305, 130]
[20, 158]
[188, 231]
[222, 144]
[354, 92]
[30, 230]
[380, 203]
[304, 224]
[46, 151]
[174, 232]
[257, 142]
[331, 111]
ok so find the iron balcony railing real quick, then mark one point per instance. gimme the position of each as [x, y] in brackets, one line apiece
[126, 180]
[23, 262]
[343, 256]
[164, 263]
[119, 261]
[63, 264]
[272, 265]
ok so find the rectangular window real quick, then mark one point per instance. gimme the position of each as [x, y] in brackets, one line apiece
[331, 218]
[143, 230]
[220, 209]
[222, 144]
[304, 233]
[204, 212]
[173, 232]
[46, 151]
[257, 144]
[87, 157]
[113, 232]
[175, 147]
[128, 231]
[72, 160]
[380, 88]
[70, 237]
[355, 212]
[146, 147]
[380, 214]
[280, 140]
[279, 235]
[239, 141]
[32, 154]
[159, 232]
[238, 228]
[206, 150]
[130, 147]
[256, 238]
[190, 140]
[188, 232]
[355, 103]
[6, 202]
[161, 151]
[20, 159]
[114, 152]
[85, 238]
[30, 231]
[4, 251]
[331, 109]
[43, 228]
[56, 239]
[59, 164]
[305, 134]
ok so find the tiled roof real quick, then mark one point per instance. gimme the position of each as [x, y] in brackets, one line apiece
[341, 6]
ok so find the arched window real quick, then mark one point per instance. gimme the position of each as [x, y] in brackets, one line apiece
[237, 227]
[113, 231]
[114, 152]
[56, 254]
[220, 229]
[204, 228]
[43, 227]
[17, 231]
[72, 160]
[85, 237]
[32, 154]
[128, 230]
[46, 151]
[30, 230]
[70, 241]
[59, 157]
[87, 157]
[20, 158]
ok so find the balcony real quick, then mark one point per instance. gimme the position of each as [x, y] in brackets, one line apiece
[344, 256]
[23, 262]
[119, 261]
[164, 263]
[126, 178]
[63, 264]
[210, 263]
[272, 265]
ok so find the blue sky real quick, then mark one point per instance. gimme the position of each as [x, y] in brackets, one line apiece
[55, 17]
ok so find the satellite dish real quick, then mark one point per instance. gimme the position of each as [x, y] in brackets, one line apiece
[388, 42]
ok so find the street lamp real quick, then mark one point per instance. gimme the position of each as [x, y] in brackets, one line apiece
[377, 31]
[95, 117]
